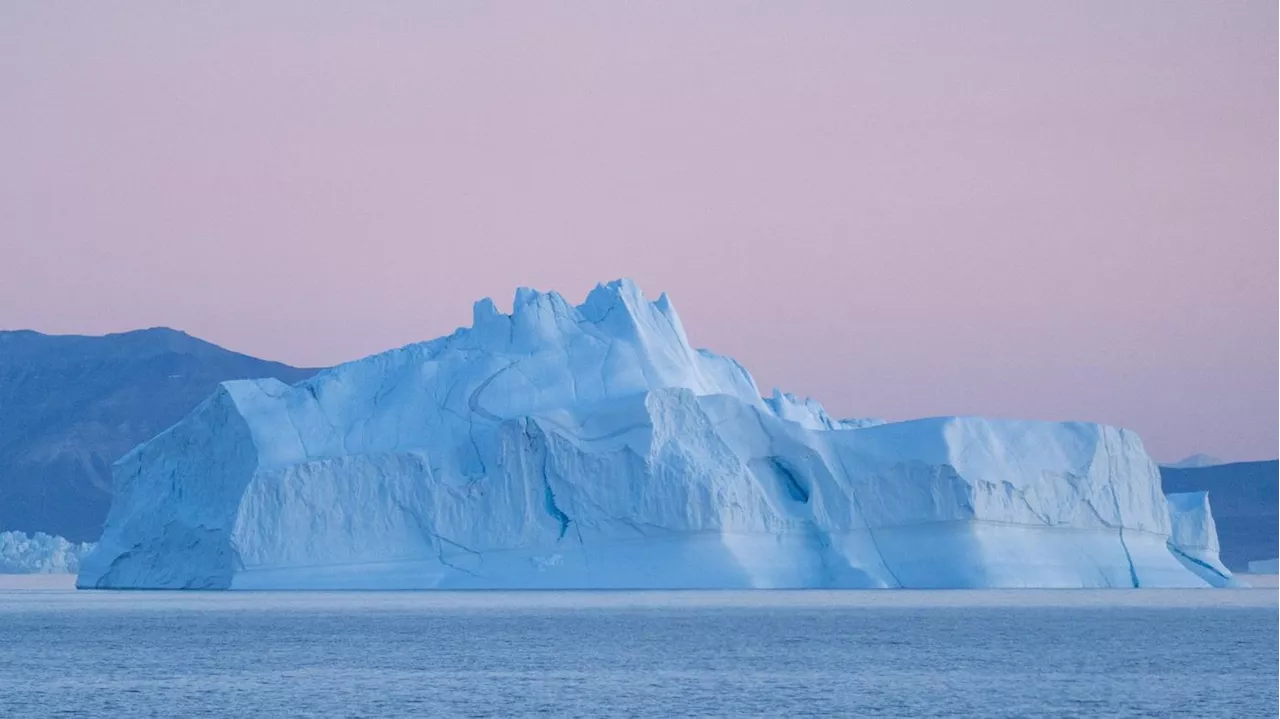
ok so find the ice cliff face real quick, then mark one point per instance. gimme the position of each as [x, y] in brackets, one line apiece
[592, 446]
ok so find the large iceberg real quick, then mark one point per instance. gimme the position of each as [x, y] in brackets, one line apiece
[593, 447]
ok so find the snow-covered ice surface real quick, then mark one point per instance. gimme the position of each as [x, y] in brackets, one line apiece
[593, 447]
[39, 553]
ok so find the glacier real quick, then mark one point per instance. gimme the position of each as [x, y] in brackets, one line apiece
[592, 446]
[40, 553]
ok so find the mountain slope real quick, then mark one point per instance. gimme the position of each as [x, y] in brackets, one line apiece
[1195, 461]
[1244, 497]
[70, 405]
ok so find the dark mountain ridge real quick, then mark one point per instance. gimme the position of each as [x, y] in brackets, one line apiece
[70, 405]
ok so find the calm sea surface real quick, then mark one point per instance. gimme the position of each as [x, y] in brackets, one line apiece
[654, 654]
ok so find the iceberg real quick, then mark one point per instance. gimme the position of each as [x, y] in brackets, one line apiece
[592, 446]
[1265, 566]
[40, 553]
[1194, 539]
[1245, 500]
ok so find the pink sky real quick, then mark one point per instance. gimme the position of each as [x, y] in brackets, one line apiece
[1058, 210]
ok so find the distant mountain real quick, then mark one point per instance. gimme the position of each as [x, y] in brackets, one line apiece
[1244, 497]
[70, 405]
[1195, 461]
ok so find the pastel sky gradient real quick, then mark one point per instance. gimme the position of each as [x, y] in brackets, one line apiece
[1058, 210]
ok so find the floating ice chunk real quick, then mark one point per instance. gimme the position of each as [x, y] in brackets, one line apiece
[1264, 566]
[39, 553]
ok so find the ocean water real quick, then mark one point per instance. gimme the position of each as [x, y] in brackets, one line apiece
[640, 654]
